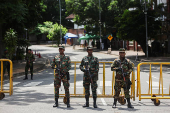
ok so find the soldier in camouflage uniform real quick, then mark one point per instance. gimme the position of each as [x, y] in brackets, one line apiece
[90, 75]
[29, 64]
[63, 65]
[122, 66]
[6, 64]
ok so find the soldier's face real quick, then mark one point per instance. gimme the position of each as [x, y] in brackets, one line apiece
[90, 51]
[29, 51]
[122, 54]
[61, 50]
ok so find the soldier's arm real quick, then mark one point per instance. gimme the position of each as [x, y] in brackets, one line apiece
[33, 58]
[97, 66]
[130, 67]
[82, 65]
[53, 63]
[114, 66]
[26, 57]
[67, 67]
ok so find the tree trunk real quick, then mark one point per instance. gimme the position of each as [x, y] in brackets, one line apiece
[1, 43]
[142, 43]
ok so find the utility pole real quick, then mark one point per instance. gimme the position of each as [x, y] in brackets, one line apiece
[100, 25]
[60, 23]
[146, 31]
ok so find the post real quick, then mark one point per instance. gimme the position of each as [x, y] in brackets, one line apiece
[100, 25]
[146, 31]
[60, 23]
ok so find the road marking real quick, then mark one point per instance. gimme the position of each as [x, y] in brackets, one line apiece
[14, 83]
[74, 57]
[154, 83]
[32, 84]
[102, 99]
[107, 83]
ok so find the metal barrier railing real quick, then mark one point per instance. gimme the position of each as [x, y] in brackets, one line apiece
[150, 92]
[10, 91]
[103, 92]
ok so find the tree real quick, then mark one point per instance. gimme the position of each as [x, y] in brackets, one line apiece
[131, 25]
[52, 30]
[10, 41]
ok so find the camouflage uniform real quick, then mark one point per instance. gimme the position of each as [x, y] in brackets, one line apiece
[29, 64]
[93, 66]
[122, 67]
[119, 81]
[65, 64]
[6, 64]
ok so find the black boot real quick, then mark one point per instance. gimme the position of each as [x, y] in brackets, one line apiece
[129, 104]
[114, 104]
[94, 102]
[25, 77]
[68, 102]
[87, 102]
[31, 76]
[56, 103]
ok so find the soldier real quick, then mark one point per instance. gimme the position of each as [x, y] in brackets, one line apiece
[63, 65]
[29, 64]
[123, 68]
[6, 65]
[90, 66]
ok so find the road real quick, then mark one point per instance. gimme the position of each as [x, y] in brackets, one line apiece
[37, 96]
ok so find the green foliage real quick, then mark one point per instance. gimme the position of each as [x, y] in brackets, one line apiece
[10, 41]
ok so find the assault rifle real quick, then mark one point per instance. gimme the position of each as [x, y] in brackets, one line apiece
[88, 70]
[58, 68]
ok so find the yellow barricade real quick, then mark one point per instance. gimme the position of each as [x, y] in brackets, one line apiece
[103, 95]
[150, 94]
[10, 91]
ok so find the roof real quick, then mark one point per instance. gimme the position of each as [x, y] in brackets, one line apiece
[71, 16]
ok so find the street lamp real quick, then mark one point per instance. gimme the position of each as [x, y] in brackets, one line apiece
[146, 31]
[26, 39]
[60, 23]
[100, 25]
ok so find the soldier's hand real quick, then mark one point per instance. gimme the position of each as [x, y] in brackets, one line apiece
[119, 69]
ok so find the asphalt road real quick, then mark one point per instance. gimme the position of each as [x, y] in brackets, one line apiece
[37, 96]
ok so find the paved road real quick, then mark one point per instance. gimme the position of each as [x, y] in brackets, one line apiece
[38, 95]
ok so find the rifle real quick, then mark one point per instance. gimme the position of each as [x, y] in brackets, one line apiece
[123, 74]
[58, 68]
[88, 70]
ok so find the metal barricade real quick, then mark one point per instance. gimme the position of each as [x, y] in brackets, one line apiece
[10, 91]
[103, 95]
[150, 94]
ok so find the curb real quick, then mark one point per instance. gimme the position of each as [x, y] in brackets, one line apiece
[43, 65]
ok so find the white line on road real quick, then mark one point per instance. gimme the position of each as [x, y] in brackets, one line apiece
[107, 83]
[32, 84]
[14, 83]
[102, 99]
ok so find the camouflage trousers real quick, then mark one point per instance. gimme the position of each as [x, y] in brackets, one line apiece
[57, 84]
[27, 67]
[86, 85]
[121, 84]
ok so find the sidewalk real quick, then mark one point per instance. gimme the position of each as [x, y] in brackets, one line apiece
[19, 67]
[132, 55]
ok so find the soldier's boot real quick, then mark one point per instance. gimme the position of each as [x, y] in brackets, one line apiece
[94, 102]
[56, 103]
[114, 103]
[87, 102]
[25, 77]
[31, 76]
[129, 104]
[68, 102]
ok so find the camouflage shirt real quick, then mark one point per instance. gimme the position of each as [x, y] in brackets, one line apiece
[93, 65]
[30, 58]
[63, 62]
[6, 56]
[126, 65]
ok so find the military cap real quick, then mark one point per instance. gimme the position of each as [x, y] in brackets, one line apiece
[89, 47]
[61, 47]
[122, 50]
[5, 49]
[29, 50]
